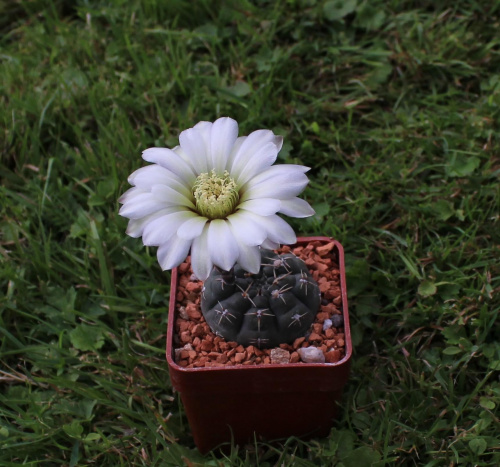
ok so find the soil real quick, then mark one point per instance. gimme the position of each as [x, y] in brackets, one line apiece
[197, 346]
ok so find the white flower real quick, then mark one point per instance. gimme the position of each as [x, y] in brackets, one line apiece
[217, 195]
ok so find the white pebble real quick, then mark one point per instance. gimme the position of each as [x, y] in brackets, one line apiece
[327, 324]
[311, 355]
[178, 351]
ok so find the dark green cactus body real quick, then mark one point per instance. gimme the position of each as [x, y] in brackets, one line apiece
[273, 307]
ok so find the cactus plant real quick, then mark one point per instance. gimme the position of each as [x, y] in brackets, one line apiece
[272, 307]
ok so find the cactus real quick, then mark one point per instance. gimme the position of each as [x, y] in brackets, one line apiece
[273, 307]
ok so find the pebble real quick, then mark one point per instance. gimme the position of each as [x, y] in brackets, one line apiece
[327, 324]
[314, 337]
[294, 357]
[193, 286]
[324, 250]
[317, 328]
[322, 316]
[311, 355]
[329, 308]
[337, 320]
[197, 330]
[193, 312]
[240, 356]
[206, 346]
[324, 287]
[182, 313]
[298, 342]
[179, 352]
[321, 267]
[280, 356]
[186, 337]
[330, 333]
[333, 356]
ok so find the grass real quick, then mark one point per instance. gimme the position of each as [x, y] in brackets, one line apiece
[395, 105]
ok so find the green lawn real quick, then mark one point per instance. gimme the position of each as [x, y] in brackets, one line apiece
[395, 106]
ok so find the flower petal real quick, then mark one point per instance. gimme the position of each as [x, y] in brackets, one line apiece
[200, 255]
[173, 252]
[140, 204]
[195, 143]
[223, 135]
[251, 145]
[283, 186]
[249, 258]
[249, 255]
[222, 245]
[136, 227]
[270, 245]
[180, 152]
[236, 147]
[169, 196]
[203, 126]
[130, 194]
[278, 171]
[246, 230]
[277, 229]
[278, 141]
[192, 228]
[261, 159]
[160, 230]
[280, 231]
[261, 206]
[146, 177]
[296, 207]
[171, 161]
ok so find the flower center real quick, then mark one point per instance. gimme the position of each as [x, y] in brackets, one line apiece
[216, 195]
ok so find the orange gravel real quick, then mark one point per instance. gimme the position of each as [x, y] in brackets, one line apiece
[197, 346]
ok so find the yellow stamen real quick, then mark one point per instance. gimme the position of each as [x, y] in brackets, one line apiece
[216, 195]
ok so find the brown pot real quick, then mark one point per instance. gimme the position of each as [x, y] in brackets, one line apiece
[267, 401]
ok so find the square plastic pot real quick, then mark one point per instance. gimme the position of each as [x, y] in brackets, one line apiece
[267, 401]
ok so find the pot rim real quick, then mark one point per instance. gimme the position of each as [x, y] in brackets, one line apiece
[266, 367]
